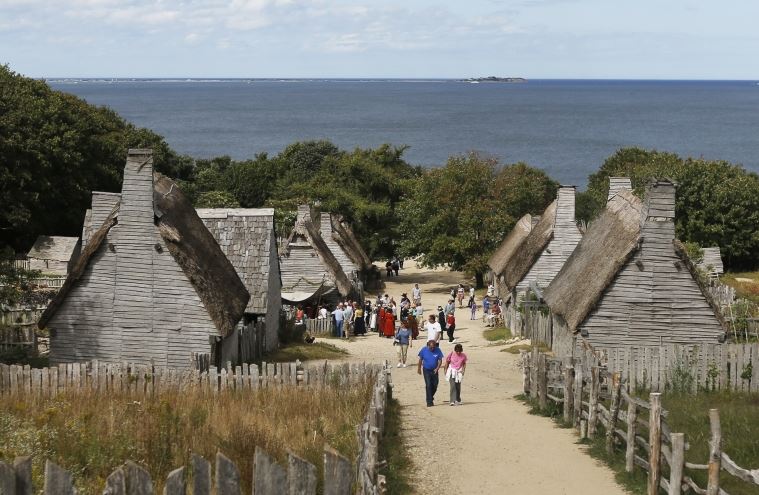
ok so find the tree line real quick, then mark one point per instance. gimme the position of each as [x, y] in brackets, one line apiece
[55, 148]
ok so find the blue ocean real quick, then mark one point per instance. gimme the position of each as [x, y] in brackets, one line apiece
[566, 127]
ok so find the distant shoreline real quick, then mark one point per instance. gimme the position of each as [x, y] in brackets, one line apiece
[494, 79]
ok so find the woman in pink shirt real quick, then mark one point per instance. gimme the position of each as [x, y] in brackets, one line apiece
[455, 365]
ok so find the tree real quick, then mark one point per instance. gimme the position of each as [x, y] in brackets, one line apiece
[460, 213]
[717, 202]
[54, 150]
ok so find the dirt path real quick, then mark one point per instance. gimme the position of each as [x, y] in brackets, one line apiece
[501, 448]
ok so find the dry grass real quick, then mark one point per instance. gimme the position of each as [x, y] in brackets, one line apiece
[744, 288]
[91, 434]
[305, 352]
[514, 349]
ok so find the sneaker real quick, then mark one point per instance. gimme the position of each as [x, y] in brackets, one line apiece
[404, 365]
[459, 403]
[399, 365]
[453, 403]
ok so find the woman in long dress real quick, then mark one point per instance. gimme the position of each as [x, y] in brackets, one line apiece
[373, 321]
[359, 325]
[388, 330]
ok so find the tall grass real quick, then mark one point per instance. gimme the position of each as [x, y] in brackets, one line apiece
[91, 434]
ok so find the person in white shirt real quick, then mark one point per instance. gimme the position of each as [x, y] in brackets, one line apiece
[433, 330]
[416, 294]
[419, 313]
[323, 313]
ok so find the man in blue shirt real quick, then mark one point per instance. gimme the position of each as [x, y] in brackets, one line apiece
[339, 316]
[430, 359]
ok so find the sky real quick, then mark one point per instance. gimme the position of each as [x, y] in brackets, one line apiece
[586, 39]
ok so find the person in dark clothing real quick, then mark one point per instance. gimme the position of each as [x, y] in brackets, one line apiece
[441, 318]
[450, 326]
[389, 268]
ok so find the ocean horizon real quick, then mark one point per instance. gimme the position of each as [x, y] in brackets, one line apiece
[566, 127]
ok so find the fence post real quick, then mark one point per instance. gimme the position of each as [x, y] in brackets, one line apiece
[175, 483]
[654, 441]
[301, 476]
[593, 402]
[57, 480]
[715, 453]
[542, 381]
[677, 464]
[534, 373]
[613, 411]
[525, 356]
[338, 473]
[23, 468]
[579, 385]
[632, 425]
[569, 394]
[201, 476]
[7, 479]
[227, 476]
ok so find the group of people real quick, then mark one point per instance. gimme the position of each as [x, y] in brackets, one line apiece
[393, 266]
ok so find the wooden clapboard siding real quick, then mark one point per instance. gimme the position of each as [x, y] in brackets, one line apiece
[337, 250]
[302, 270]
[133, 302]
[566, 236]
[654, 299]
[274, 296]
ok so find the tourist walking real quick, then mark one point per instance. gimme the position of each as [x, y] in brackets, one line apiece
[460, 295]
[388, 323]
[450, 307]
[433, 329]
[430, 359]
[419, 313]
[402, 343]
[373, 320]
[473, 308]
[455, 365]
[416, 294]
[450, 326]
[441, 318]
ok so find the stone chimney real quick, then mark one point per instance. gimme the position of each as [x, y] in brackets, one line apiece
[616, 184]
[565, 207]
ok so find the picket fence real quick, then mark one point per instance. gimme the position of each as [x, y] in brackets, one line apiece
[340, 474]
[686, 367]
[591, 397]
[146, 379]
[323, 326]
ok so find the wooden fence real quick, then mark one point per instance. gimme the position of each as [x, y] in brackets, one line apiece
[706, 367]
[592, 398]
[147, 380]
[269, 478]
[322, 326]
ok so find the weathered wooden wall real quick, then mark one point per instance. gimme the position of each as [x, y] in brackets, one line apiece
[133, 301]
[654, 299]
[348, 266]
[566, 236]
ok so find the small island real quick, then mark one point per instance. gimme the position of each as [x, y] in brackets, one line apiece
[494, 79]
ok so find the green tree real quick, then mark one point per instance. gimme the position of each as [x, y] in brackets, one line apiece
[717, 202]
[54, 150]
[460, 213]
[216, 199]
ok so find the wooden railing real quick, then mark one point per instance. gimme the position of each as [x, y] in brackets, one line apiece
[582, 388]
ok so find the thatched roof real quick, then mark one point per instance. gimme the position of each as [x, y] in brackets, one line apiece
[326, 257]
[528, 251]
[95, 240]
[343, 235]
[602, 252]
[55, 248]
[508, 247]
[199, 255]
[193, 248]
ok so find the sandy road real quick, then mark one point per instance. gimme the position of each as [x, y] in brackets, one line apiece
[489, 444]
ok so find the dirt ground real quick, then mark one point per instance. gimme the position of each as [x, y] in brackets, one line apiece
[489, 444]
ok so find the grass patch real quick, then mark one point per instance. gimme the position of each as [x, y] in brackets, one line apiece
[514, 349]
[393, 449]
[743, 288]
[305, 352]
[496, 333]
[738, 413]
[91, 434]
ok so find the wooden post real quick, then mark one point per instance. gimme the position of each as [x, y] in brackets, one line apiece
[175, 483]
[525, 357]
[268, 477]
[654, 441]
[115, 483]
[569, 394]
[632, 425]
[201, 476]
[7, 479]
[593, 402]
[542, 381]
[338, 473]
[534, 373]
[301, 476]
[613, 411]
[677, 464]
[715, 453]
[57, 480]
[23, 468]
[583, 429]
[579, 384]
[227, 476]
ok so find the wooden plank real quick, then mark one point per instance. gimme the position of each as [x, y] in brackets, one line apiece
[654, 442]
[137, 479]
[338, 473]
[57, 480]
[227, 476]
[755, 367]
[7, 479]
[593, 402]
[201, 476]
[677, 463]
[715, 453]
[269, 477]
[175, 483]
[115, 484]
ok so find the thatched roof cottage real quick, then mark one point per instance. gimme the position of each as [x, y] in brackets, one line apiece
[53, 254]
[309, 269]
[533, 253]
[247, 238]
[151, 284]
[629, 282]
[349, 266]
